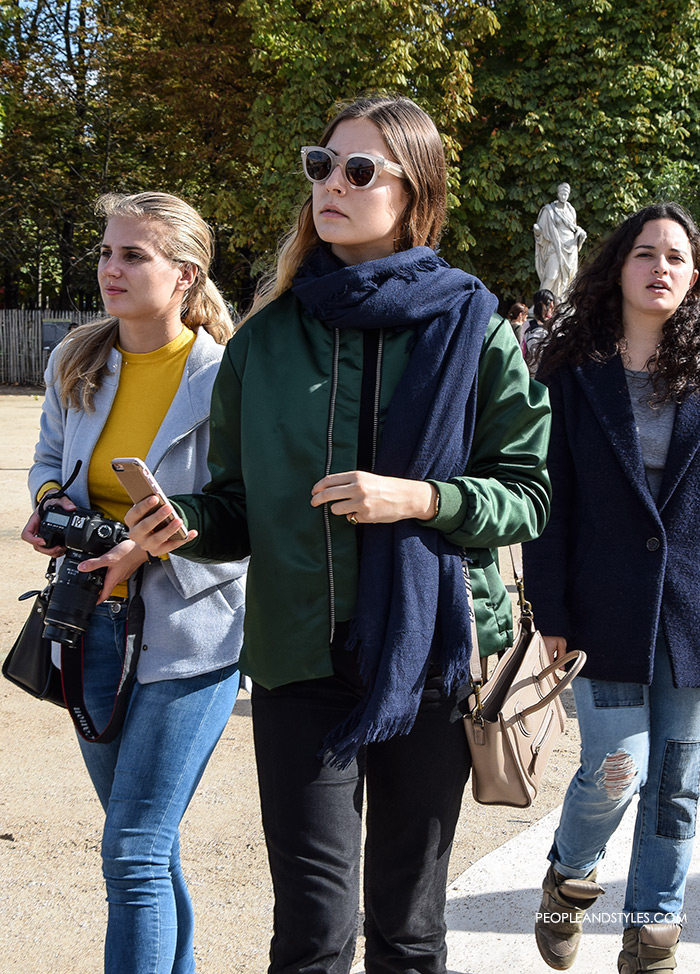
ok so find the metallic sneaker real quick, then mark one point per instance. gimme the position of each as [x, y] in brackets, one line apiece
[559, 922]
[649, 948]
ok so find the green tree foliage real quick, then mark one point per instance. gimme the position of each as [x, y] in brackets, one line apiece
[310, 55]
[603, 95]
[107, 96]
[212, 100]
[223, 95]
[181, 77]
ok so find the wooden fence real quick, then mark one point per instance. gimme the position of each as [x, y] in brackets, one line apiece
[27, 337]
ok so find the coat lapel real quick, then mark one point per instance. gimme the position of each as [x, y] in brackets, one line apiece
[685, 441]
[189, 407]
[606, 390]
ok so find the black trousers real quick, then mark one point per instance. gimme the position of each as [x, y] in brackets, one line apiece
[312, 819]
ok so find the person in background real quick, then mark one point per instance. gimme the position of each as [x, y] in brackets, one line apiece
[537, 328]
[616, 574]
[517, 316]
[138, 383]
[371, 422]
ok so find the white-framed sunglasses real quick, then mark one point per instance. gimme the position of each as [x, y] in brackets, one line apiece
[361, 168]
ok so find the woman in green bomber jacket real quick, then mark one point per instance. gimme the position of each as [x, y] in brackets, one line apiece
[372, 423]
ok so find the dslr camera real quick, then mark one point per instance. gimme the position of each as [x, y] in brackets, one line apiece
[84, 534]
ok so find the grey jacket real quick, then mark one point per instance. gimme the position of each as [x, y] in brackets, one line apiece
[194, 612]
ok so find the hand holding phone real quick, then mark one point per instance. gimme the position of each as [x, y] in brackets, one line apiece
[139, 483]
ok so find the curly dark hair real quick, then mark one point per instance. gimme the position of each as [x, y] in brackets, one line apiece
[541, 301]
[588, 324]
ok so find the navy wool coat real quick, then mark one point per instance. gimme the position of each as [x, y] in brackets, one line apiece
[613, 568]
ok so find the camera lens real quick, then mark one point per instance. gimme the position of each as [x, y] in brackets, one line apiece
[67, 637]
[84, 534]
[73, 601]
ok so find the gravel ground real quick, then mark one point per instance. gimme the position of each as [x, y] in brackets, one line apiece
[52, 908]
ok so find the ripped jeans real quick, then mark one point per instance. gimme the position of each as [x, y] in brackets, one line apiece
[635, 739]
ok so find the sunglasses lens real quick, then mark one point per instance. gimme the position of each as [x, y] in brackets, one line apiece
[359, 170]
[318, 165]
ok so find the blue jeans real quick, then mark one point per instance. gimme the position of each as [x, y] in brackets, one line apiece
[145, 779]
[635, 739]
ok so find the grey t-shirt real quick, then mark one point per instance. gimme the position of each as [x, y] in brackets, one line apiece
[654, 426]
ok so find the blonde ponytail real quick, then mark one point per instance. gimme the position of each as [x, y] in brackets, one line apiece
[204, 307]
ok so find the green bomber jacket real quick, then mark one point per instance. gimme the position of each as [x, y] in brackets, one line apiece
[273, 432]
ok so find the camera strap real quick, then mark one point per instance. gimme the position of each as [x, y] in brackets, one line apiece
[61, 492]
[72, 675]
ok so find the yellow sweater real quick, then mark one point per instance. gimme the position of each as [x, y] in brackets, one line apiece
[147, 385]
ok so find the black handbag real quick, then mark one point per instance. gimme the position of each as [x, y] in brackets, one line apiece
[28, 664]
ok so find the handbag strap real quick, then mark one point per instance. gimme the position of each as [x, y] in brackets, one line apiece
[524, 606]
[574, 660]
[476, 676]
[72, 675]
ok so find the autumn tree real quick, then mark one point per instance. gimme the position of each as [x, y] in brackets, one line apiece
[224, 95]
[181, 81]
[212, 100]
[55, 146]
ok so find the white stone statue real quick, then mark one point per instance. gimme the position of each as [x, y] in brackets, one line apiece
[558, 240]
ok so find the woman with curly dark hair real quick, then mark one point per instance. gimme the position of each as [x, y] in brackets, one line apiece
[616, 574]
[589, 323]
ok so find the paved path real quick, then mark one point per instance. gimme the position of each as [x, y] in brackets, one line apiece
[491, 907]
[52, 889]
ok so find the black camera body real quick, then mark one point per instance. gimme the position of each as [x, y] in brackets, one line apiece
[84, 534]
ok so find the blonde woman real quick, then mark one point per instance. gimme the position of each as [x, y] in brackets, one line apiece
[371, 420]
[139, 384]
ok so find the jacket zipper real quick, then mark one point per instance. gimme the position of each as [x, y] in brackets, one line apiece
[377, 389]
[329, 458]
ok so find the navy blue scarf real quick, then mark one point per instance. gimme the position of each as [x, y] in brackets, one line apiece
[411, 596]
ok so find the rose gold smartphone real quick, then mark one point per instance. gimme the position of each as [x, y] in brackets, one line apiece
[139, 483]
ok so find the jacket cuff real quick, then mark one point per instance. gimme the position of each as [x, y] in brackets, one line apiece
[450, 514]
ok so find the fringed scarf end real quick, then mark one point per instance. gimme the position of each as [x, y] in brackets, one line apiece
[455, 667]
[342, 745]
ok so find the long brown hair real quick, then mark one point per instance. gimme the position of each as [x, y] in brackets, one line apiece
[185, 238]
[588, 324]
[414, 141]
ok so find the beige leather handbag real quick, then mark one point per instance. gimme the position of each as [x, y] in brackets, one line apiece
[516, 716]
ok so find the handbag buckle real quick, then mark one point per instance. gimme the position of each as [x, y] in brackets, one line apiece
[478, 708]
[524, 606]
